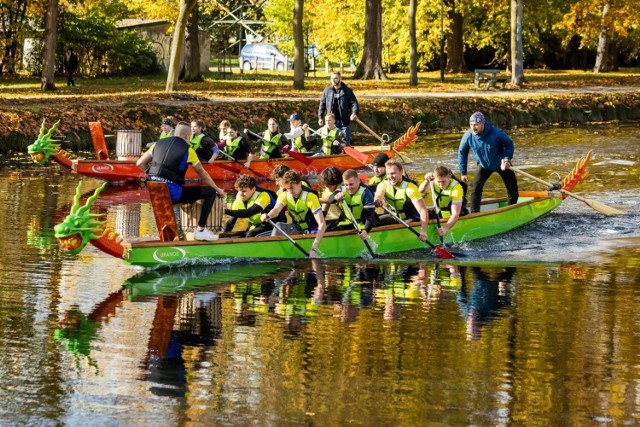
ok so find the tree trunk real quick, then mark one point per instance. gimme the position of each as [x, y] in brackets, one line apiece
[176, 44]
[370, 67]
[192, 46]
[413, 45]
[517, 66]
[298, 45]
[455, 43]
[602, 53]
[49, 53]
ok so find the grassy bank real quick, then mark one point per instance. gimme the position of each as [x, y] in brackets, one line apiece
[248, 99]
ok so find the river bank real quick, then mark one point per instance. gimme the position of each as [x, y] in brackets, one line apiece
[439, 112]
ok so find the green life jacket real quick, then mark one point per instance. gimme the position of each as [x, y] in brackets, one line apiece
[238, 204]
[271, 144]
[356, 205]
[232, 145]
[166, 134]
[375, 180]
[195, 141]
[397, 199]
[298, 143]
[327, 141]
[300, 213]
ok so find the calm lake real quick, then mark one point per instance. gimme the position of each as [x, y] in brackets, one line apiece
[537, 327]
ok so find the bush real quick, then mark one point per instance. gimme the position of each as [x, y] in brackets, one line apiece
[103, 49]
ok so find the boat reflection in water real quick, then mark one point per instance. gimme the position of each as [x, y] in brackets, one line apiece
[198, 308]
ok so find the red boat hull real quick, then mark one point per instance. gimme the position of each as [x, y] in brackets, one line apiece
[127, 171]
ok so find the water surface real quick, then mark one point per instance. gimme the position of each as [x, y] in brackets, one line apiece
[540, 326]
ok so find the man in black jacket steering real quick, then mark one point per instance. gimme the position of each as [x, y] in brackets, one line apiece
[339, 99]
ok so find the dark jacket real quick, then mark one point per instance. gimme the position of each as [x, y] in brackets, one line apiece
[347, 103]
[489, 148]
[71, 62]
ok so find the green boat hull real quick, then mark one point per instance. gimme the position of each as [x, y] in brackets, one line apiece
[166, 282]
[343, 244]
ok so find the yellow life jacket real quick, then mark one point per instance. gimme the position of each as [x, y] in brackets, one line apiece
[266, 149]
[300, 213]
[195, 141]
[327, 141]
[397, 199]
[356, 205]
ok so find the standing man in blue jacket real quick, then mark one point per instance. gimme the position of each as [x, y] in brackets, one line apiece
[493, 150]
[339, 99]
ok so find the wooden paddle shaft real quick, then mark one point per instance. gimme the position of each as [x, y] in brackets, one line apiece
[542, 181]
[371, 132]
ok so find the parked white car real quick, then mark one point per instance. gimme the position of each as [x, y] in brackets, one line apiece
[263, 55]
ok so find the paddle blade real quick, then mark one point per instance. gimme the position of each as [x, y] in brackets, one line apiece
[300, 157]
[407, 138]
[441, 252]
[357, 155]
[602, 208]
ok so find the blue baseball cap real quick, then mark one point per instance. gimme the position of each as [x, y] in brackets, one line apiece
[294, 116]
[477, 117]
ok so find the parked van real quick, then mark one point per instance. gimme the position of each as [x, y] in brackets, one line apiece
[263, 55]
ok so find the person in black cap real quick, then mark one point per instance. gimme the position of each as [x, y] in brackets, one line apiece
[379, 170]
[166, 128]
[298, 135]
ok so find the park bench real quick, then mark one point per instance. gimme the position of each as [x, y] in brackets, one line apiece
[490, 77]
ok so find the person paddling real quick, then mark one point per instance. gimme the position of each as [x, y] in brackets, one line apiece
[303, 206]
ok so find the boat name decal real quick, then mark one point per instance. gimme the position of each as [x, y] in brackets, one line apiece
[164, 255]
[102, 168]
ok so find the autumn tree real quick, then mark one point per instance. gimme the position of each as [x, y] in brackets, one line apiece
[49, 54]
[192, 56]
[13, 18]
[370, 67]
[517, 72]
[298, 47]
[455, 40]
[413, 47]
[186, 7]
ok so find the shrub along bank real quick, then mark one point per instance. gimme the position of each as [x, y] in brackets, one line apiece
[19, 126]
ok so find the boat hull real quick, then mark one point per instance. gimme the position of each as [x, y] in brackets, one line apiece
[126, 170]
[342, 244]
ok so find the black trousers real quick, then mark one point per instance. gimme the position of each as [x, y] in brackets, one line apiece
[207, 194]
[480, 178]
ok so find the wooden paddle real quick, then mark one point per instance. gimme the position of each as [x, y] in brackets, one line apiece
[600, 207]
[347, 210]
[291, 239]
[297, 156]
[379, 138]
[438, 250]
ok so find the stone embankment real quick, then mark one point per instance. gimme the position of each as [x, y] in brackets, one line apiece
[393, 114]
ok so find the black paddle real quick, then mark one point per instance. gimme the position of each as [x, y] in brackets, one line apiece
[438, 250]
[437, 211]
[347, 210]
[273, 224]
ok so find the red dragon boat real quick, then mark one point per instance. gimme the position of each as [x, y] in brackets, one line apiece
[121, 171]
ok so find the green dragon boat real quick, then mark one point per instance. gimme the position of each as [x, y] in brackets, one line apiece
[496, 217]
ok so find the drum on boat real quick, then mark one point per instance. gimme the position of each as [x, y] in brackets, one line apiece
[128, 144]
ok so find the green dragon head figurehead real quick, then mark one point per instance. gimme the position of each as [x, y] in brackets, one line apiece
[44, 147]
[80, 226]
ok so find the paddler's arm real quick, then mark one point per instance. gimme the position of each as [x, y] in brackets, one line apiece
[424, 217]
[144, 161]
[322, 227]
[206, 178]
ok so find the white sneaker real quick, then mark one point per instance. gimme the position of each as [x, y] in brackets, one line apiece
[205, 234]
